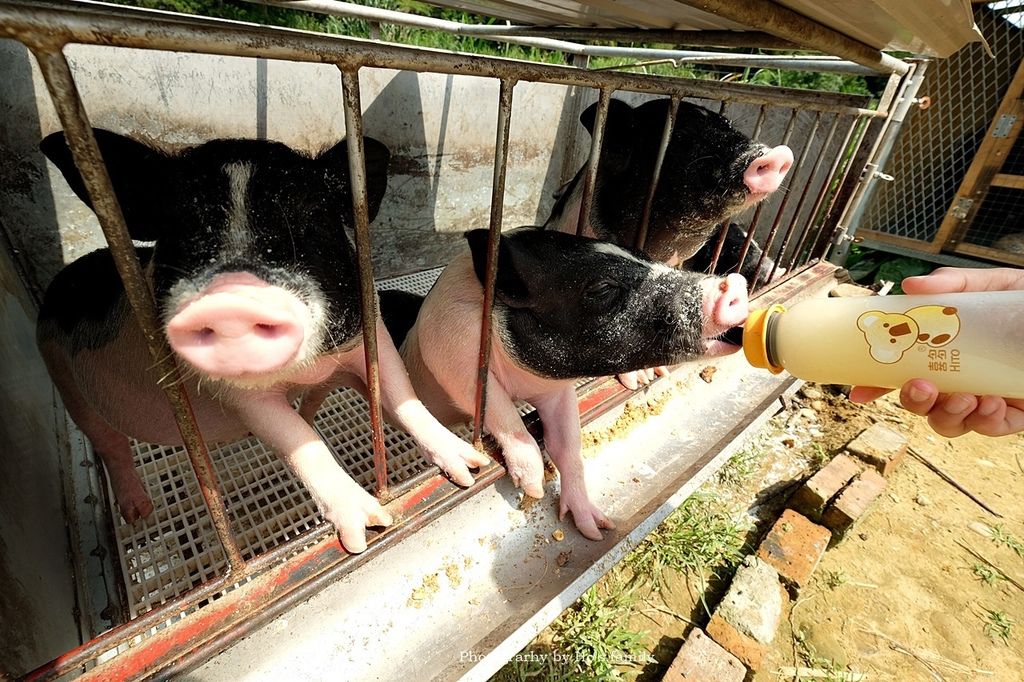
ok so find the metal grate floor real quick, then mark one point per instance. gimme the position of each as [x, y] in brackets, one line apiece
[176, 548]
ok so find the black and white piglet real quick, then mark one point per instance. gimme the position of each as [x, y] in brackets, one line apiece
[711, 172]
[565, 307]
[256, 283]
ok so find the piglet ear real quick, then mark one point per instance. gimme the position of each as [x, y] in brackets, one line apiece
[376, 156]
[619, 131]
[510, 287]
[138, 173]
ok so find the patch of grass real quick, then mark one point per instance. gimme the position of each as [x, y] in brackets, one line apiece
[834, 672]
[987, 574]
[698, 539]
[535, 664]
[739, 467]
[834, 579]
[589, 641]
[998, 625]
[1001, 536]
[591, 637]
[818, 457]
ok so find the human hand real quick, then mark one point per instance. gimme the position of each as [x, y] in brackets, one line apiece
[955, 414]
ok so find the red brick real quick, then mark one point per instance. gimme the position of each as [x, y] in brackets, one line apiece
[794, 546]
[813, 496]
[853, 502]
[703, 660]
[747, 649]
[880, 447]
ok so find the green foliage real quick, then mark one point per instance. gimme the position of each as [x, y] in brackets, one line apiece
[739, 467]
[867, 266]
[591, 635]
[807, 80]
[589, 641]
[696, 539]
[239, 10]
[835, 579]
[987, 574]
[998, 625]
[818, 456]
[1001, 536]
[830, 670]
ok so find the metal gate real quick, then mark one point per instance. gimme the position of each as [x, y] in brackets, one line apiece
[209, 572]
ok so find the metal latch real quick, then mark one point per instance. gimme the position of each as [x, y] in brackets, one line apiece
[1004, 125]
[841, 237]
[962, 207]
[883, 176]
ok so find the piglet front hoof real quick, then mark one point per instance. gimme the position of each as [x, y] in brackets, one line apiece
[642, 377]
[455, 457]
[588, 518]
[351, 512]
[132, 498]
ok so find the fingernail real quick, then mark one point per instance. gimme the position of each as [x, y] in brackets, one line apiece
[988, 407]
[918, 395]
[956, 404]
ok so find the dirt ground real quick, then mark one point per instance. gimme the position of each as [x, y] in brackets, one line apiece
[898, 598]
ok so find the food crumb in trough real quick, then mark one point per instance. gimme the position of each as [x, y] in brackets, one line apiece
[635, 413]
[527, 502]
[558, 535]
[708, 373]
[427, 589]
[454, 576]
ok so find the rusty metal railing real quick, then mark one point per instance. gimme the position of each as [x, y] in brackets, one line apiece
[251, 592]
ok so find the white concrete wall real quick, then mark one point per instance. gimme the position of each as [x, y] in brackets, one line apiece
[440, 130]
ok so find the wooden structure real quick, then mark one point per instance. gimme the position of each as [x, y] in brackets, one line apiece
[955, 176]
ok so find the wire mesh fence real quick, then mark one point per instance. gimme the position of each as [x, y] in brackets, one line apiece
[938, 144]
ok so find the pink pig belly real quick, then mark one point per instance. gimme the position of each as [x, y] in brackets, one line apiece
[130, 401]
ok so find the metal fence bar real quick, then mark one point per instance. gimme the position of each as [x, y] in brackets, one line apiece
[898, 91]
[493, 241]
[596, 142]
[45, 29]
[807, 185]
[825, 235]
[752, 227]
[126, 28]
[826, 187]
[367, 292]
[75, 121]
[785, 197]
[666, 135]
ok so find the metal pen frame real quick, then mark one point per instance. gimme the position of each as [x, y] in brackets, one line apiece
[251, 592]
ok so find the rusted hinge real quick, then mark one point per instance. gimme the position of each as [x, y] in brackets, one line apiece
[962, 207]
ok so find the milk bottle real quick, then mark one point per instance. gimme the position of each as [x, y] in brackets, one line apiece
[963, 342]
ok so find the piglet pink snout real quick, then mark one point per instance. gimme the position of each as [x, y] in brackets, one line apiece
[765, 173]
[239, 326]
[725, 304]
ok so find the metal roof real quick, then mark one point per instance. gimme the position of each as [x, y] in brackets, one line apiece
[936, 28]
